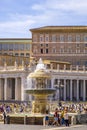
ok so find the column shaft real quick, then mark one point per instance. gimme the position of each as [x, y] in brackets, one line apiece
[5, 89]
[84, 90]
[71, 90]
[22, 88]
[64, 89]
[77, 90]
[16, 90]
[52, 83]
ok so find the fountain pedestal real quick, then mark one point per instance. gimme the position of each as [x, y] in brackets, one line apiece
[40, 105]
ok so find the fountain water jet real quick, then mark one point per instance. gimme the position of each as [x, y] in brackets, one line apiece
[41, 88]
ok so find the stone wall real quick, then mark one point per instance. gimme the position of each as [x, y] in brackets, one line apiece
[81, 119]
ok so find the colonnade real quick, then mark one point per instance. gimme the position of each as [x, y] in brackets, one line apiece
[12, 88]
[71, 89]
[74, 85]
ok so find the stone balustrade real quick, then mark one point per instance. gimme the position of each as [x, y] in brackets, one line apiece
[76, 68]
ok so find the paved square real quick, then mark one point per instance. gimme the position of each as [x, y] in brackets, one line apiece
[40, 127]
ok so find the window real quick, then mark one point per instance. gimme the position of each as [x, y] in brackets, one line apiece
[22, 54]
[85, 38]
[27, 54]
[41, 38]
[21, 46]
[41, 51]
[78, 45]
[5, 47]
[53, 38]
[28, 46]
[46, 45]
[16, 46]
[61, 38]
[77, 38]
[46, 38]
[61, 50]
[78, 63]
[16, 54]
[11, 47]
[46, 50]
[85, 63]
[69, 38]
[41, 45]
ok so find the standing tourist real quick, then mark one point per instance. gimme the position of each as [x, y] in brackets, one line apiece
[46, 119]
[66, 118]
[4, 116]
[56, 118]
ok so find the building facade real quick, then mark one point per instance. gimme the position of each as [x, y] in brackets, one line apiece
[15, 46]
[53, 44]
[61, 43]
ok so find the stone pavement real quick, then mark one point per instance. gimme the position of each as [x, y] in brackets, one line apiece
[40, 127]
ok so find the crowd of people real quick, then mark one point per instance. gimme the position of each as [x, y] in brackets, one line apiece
[13, 108]
[59, 118]
[60, 113]
[71, 107]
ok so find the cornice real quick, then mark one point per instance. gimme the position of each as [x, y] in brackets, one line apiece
[60, 29]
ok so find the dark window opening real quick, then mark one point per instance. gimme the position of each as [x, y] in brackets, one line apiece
[42, 51]
[46, 50]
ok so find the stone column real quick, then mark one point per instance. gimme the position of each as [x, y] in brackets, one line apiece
[16, 89]
[1, 87]
[5, 89]
[77, 90]
[22, 88]
[52, 83]
[81, 88]
[64, 89]
[84, 90]
[71, 90]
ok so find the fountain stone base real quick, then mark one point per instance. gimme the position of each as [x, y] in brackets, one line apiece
[40, 105]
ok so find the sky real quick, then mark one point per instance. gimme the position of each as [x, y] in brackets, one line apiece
[17, 17]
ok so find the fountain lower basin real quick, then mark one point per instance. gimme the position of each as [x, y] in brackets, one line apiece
[41, 91]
